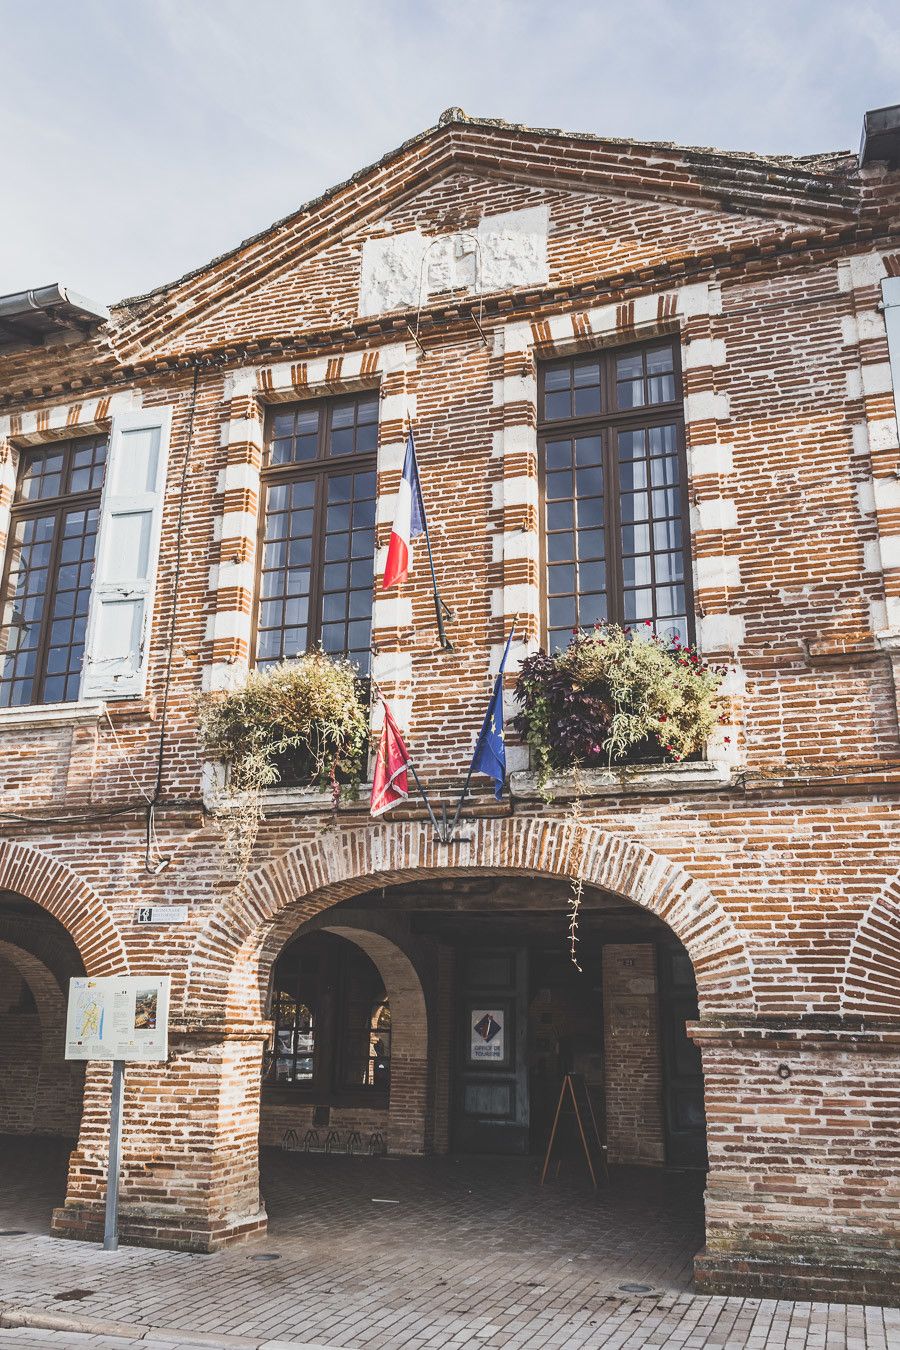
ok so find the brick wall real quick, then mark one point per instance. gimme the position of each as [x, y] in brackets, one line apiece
[632, 1058]
[781, 883]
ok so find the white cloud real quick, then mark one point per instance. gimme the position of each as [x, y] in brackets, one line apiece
[142, 139]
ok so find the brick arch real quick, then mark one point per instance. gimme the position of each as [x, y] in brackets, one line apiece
[48, 997]
[225, 979]
[409, 1036]
[60, 891]
[871, 982]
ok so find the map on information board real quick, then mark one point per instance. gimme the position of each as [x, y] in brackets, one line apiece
[118, 1017]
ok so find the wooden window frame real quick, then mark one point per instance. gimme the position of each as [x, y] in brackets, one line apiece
[606, 424]
[326, 995]
[318, 470]
[59, 505]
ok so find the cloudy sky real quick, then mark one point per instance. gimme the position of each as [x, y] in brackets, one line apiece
[139, 138]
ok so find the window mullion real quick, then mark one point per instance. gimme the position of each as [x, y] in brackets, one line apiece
[615, 585]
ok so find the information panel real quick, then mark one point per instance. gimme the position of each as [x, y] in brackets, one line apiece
[122, 1017]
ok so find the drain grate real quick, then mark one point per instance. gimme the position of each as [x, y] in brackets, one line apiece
[636, 1288]
[73, 1295]
[12, 1232]
[265, 1256]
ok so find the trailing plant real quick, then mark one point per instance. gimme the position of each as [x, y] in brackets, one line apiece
[309, 711]
[616, 696]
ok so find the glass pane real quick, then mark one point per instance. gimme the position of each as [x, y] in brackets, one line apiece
[587, 402]
[561, 579]
[557, 377]
[661, 389]
[558, 454]
[560, 515]
[559, 484]
[560, 547]
[557, 405]
[659, 359]
[653, 562]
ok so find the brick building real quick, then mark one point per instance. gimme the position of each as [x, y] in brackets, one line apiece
[495, 285]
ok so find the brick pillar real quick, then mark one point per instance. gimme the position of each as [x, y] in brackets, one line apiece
[803, 1193]
[443, 1051]
[633, 1063]
[190, 1176]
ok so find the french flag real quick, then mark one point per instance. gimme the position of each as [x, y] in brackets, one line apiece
[409, 520]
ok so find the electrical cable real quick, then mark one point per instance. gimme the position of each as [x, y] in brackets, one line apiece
[151, 841]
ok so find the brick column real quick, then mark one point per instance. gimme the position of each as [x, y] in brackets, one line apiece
[443, 1051]
[803, 1194]
[190, 1175]
[632, 1060]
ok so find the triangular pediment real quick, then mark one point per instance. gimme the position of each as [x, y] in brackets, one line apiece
[473, 208]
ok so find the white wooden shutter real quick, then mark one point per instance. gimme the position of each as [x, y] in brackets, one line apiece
[118, 634]
[890, 293]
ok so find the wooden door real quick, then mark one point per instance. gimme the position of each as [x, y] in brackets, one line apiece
[491, 1088]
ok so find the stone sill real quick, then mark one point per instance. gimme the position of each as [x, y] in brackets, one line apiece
[283, 800]
[629, 780]
[305, 800]
[50, 715]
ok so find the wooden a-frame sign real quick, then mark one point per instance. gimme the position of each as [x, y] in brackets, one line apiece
[574, 1089]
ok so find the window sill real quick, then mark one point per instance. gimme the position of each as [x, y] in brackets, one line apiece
[629, 780]
[281, 800]
[50, 715]
[290, 800]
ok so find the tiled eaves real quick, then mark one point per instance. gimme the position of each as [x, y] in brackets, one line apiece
[739, 261]
[701, 178]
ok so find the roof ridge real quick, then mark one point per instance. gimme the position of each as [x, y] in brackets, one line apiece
[456, 116]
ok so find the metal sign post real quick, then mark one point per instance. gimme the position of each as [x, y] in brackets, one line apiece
[124, 1019]
[111, 1222]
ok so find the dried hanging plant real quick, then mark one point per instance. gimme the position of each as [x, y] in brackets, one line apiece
[311, 709]
[576, 891]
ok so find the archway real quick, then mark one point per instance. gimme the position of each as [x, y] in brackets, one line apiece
[491, 947]
[871, 983]
[233, 953]
[41, 1093]
[327, 984]
[54, 887]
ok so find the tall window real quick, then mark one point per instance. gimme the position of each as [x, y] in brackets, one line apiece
[49, 565]
[332, 1020]
[318, 530]
[613, 498]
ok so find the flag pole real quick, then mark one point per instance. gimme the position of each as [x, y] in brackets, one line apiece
[448, 834]
[448, 837]
[441, 610]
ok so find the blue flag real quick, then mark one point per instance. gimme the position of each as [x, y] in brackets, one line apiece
[490, 748]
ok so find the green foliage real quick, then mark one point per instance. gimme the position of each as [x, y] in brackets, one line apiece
[309, 710]
[613, 696]
[311, 704]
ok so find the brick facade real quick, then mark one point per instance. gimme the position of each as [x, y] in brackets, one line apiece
[779, 875]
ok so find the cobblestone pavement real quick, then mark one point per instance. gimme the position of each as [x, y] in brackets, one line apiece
[474, 1254]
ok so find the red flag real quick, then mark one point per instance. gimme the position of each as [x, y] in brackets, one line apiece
[389, 781]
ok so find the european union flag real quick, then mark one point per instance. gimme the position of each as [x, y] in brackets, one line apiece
[490, 748]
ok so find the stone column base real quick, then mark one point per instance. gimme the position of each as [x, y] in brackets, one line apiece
[784, 1276]
[142, 1229]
